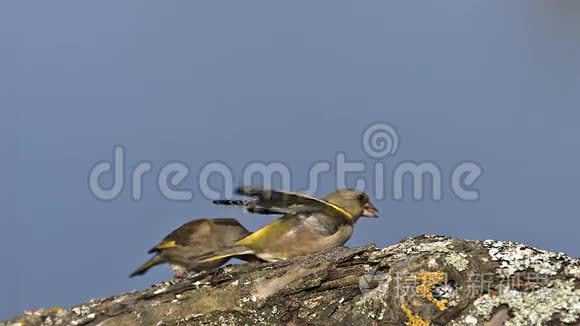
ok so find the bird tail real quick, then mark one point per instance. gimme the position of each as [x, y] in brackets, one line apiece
[223, 253]
[156, 260]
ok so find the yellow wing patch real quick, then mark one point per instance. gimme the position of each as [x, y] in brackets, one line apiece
[292, 202]
[339, 209]
[214, 258]
[166, 245]
[336, 208]
[262, 235]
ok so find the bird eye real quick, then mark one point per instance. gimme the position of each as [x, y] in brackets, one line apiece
[360, 197]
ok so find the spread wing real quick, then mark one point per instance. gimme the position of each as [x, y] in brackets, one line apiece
[267, 201]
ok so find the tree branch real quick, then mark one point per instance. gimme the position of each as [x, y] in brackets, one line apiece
[426, 280]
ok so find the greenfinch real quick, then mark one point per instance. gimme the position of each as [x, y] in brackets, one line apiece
[309, 224]
[194, 238]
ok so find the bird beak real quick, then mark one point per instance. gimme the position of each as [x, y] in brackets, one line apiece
[369, 210]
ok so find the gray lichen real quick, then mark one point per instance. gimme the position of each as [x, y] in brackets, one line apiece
[515, 257]
[529, 308]
[458, 261]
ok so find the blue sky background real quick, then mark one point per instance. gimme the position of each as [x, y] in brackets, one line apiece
[296, 82]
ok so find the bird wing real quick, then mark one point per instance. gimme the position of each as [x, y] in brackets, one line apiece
[201, 231]
[267, 201]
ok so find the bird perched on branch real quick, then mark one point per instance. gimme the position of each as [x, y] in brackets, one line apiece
[309, 224]
[196, 237]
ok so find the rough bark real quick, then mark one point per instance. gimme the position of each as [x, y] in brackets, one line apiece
[426, 280]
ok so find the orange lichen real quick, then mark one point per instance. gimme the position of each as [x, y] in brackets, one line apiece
[412, 319]
[428, 281]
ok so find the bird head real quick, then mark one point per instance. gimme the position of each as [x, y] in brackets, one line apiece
[356, 203]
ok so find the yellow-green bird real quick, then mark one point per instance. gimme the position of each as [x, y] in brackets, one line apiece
[309, 224]
[196, 237]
